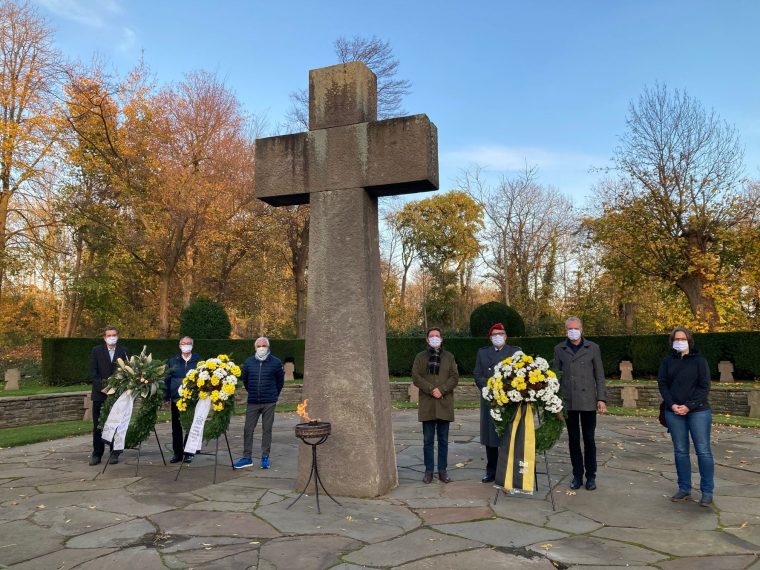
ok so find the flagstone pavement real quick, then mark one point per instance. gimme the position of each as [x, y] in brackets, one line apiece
[56, 512]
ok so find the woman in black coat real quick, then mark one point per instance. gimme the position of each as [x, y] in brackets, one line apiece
[684, 382]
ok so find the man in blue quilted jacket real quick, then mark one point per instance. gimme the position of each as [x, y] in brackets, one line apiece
[263, 378]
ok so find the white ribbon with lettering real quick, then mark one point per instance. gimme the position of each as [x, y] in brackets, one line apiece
[117, 423]
[195, 436]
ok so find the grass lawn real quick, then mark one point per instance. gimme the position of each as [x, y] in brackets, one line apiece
[36, 389]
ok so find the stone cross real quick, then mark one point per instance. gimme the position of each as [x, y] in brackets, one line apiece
[626, 369]
[630, 396]
[726, 369]
[12, 379]
[289, 368]
[340, 166]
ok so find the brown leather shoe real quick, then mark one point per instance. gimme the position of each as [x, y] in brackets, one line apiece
[428, 478]
[444, 477]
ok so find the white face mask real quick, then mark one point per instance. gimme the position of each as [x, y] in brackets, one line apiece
[498, 340]
[185, 348]
[573, 334]
[262, 351]
[681, 345]
[435, 341]
[112, 340]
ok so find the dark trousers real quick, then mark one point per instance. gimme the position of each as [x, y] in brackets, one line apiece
[492, 459]
[585, 422]
[98, 445]
[429, 430]
[177, 440]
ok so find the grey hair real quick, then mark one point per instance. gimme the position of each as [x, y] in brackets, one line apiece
[110, 328]
[265, 339]
[568, 319]
[186, 337]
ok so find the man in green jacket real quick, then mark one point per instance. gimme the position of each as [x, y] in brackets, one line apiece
[435, 373]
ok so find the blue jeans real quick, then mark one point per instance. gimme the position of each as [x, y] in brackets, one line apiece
[429, 429]
[698, 425]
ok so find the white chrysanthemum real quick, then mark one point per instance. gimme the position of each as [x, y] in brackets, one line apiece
[553, 384]
[514, 396]
[220, 373]
[495, 414]
[531, 396]
[520, 372]
[204, 375]
[517, 356]
[486, 393]
[541, 363]
[223, 395]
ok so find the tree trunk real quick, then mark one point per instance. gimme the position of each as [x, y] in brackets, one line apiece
[5, 197]
[701, 302]
[629, 311]
[163, 303]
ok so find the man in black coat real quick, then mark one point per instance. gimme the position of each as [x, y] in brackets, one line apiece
[102, 365]
[179, 366]
[487, 358]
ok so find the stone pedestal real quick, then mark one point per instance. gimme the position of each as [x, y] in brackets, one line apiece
[87, 416]
[626, 370]
[754, 403]
[347, 385]
[726, 369]
[12, 379]
[630, 396]
[414, 394]
[290, 369]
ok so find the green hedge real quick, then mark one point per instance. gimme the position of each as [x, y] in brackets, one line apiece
[65, 360]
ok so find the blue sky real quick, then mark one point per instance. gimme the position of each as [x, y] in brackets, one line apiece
[547, 82]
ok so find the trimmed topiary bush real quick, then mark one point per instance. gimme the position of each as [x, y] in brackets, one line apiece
[204, 318]
[485, 315]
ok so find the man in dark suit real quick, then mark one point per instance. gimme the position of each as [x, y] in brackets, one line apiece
[102, 365]
[488, 357]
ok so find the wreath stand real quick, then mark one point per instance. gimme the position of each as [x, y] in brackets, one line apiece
[536, 472]
[138, 448]
[215, 454]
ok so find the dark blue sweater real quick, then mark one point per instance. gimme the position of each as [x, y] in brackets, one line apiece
[263, 379]
[685, 380]
[178, 368]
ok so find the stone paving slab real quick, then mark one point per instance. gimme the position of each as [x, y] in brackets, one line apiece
[413, 546]
[55, 509]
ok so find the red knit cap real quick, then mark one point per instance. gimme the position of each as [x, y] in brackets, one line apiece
[496, 327]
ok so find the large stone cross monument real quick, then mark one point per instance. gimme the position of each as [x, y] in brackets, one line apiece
[346, 160]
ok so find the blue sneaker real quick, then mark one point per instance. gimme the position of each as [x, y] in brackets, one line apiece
[264, 462]
[243, 462]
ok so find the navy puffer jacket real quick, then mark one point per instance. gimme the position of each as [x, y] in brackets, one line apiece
[178, 369]
[263, 379]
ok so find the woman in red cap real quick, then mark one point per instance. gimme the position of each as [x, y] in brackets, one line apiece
[488, 357]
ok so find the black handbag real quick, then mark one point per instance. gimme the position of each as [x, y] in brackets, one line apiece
[661, 417]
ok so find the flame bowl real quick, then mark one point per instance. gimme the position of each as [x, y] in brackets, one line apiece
[313, 429]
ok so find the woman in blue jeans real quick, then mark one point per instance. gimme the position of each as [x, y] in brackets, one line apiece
[684, 382]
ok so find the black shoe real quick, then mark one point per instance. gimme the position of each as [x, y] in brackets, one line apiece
[428, 477]
[188, 458]
[576, 483]
[95, 460]
[488, 478]
[114, 459]
[591, 483]
[175, 459]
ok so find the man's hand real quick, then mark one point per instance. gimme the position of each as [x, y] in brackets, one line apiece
[680, 410]
[436, 393]
[601, 406]
[104, 391]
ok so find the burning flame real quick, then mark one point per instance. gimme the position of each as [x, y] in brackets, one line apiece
[301, 411]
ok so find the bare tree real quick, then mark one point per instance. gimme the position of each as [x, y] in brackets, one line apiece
[378, 56]
[678, 200]
[525, 222]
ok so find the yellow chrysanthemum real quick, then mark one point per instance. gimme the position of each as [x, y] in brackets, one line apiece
[192, 374]
[228, 389]
[218, 407]
[181, 405]
[215, 396]
[235, 370]
[211, 365]
[214, 381]
[551, 374]
[201, 363]
[203, 395]
[200, 382]
[223, 358]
